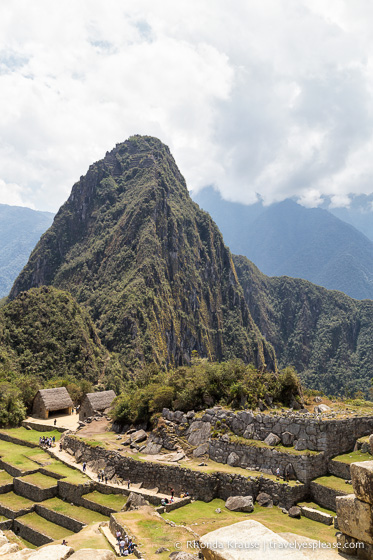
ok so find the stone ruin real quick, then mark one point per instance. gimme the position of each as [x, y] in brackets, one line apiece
[355, 512]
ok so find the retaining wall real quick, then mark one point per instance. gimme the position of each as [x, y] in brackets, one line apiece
[306, 466]
[6, 488]
[31, 535]
[32, 492]
[43, 427]
[14, 471]
[12, 514]
[342, 470]
[6, 525]
[325, 497]
[200, 485]
[59, 518]
[94, 506]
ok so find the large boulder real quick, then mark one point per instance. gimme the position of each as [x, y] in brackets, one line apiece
[295, 512]
[89, 554]
[182, 556]
[54, 552]
[135, 501]
[233, 459]
[199, 432]
[272, 440]
[264, 500]
[152, 448]
[233, 543]
[362, 480]
[201, 450]
[321, 408]
[139, 436]
[240, 503]
[355, 518]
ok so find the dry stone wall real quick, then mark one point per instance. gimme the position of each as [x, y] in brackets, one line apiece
[306, 467]
[324, 496]
[31, 535]
[316, 432]
[202, 486]
[33, 492]
[59, 518]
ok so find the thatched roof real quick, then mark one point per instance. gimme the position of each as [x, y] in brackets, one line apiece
[56, 399]
[100, 400]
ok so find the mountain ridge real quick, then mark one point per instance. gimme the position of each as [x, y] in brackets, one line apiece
[151, 267]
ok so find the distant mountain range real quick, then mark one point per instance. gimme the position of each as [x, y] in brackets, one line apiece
[20, 230]
[286, 239]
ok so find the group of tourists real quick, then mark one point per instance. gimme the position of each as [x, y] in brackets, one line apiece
[126, 546]
[47, 441]
[101, 476]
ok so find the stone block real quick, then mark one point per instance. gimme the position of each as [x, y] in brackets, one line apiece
[201, 450]
[240, 503]
[199, 432]
[317, 515]
[233, 459]
[272, 440]
[355, 518]
[362, 480]
[287, 439]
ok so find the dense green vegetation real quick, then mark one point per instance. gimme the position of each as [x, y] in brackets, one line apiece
[325, 335]
[148, 264]
[46, 340]
[204, 384]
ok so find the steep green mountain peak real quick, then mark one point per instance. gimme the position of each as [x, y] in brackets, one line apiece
[149, 265]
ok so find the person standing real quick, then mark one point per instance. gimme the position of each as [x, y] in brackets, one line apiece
[84, 466]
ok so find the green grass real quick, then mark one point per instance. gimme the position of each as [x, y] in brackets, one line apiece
[30, 435]
[71, 475]
[201, 517]
[40, 480]
[113, 501]
[5, 478]
[22, 457]
[353, 457]
[15, 502]
[313, 505]
[79, 513]
[40, 524]
[334, 483]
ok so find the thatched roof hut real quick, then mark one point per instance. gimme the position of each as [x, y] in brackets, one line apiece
[95, 402]
[52, 400]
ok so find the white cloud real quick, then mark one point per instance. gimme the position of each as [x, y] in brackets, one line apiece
[269, 97]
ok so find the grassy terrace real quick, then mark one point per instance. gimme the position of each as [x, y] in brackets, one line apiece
[15, 502]
[40, 524]
[260, 444]
[113, 501]
[334, 483]
[202, 518]
[5, 478]
[152, 533]
[40, 480]
[82, 514]
[31, 436]
[353, 457]
[24, 458]
[71, 475]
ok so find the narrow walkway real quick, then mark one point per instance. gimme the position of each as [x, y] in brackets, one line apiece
[110, 538]
[68, 460]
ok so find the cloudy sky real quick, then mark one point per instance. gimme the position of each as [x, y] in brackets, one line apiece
[269, 98]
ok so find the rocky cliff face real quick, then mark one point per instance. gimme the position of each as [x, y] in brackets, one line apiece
[149, 265]
[326, 335]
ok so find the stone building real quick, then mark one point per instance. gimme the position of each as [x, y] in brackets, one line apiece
[52, 400]
[95, 402]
